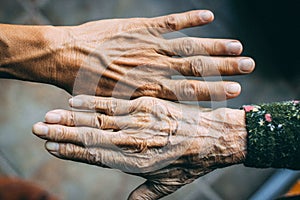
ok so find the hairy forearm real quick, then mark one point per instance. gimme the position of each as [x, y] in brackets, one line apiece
[31, 53]
[22, 50]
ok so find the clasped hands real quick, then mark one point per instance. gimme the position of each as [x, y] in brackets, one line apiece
[167, 143]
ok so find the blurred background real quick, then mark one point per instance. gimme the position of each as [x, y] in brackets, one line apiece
[269, 33]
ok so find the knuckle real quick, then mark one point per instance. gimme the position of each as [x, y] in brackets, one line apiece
[200, 90]
[227, 66]
[108, 106]
[165, 189]
[67, 150]
[93, 103]
[97, 120]
[187, 90]
[142, 120]
[59, 133]
[142, 165]
[88, 138]
[92, 156]
[96, 104]
[104, 121]
[71, 118]
[62, 150]
[144, 104]
[171, 22]
[112, 107]
[197, 67]
[151, 89]
[186, 47]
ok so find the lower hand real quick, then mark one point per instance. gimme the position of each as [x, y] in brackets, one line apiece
[168, 144]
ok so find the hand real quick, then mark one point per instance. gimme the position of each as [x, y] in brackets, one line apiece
[125, 58]
[168, 144]
[129, 58]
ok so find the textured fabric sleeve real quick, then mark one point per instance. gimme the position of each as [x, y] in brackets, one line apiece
[273, 138]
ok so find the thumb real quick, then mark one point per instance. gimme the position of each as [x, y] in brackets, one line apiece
[151, 191]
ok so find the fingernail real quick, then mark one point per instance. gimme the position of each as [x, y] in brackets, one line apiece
[52, 117]
[246, 65]
[52, 146]
[233, 88]
[75, 102]
[206, 16]
[234, 48]
[40, 130]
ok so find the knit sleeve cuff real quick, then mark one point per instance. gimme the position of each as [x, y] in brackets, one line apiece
[273, 138]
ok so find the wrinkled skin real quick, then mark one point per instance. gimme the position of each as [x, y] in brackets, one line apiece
[124, 58]
[129, 58]
[167, 143]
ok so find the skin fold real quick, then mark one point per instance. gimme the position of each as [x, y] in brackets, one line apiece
[124, 58]
[169, 144]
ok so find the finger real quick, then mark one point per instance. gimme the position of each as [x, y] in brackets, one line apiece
[75, 118]
[152, 191]
[202, 46]
[201, 66]
[75, 153]
[84, 136]
[109, 106]
[103, 157]
[92, 120]
[192, 90]
[91, 137]
[175, 22]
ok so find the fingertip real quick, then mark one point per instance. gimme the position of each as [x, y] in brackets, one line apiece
[53, 117]
[233, 89]
[40, 129]
[75, 102]
[206, 16]
[52, 147]
[246, 65]
[234, 48]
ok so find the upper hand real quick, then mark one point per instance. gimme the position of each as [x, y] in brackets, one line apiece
[128, 58]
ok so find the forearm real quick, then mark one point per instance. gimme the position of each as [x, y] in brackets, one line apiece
[29, 52]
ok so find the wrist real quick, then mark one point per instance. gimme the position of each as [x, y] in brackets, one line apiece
[63, 61]
[232, 142]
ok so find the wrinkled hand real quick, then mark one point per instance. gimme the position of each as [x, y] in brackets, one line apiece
[129, 58]
[167, 143]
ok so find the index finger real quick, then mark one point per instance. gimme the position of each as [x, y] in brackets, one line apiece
[176, 22]
[107, 105]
